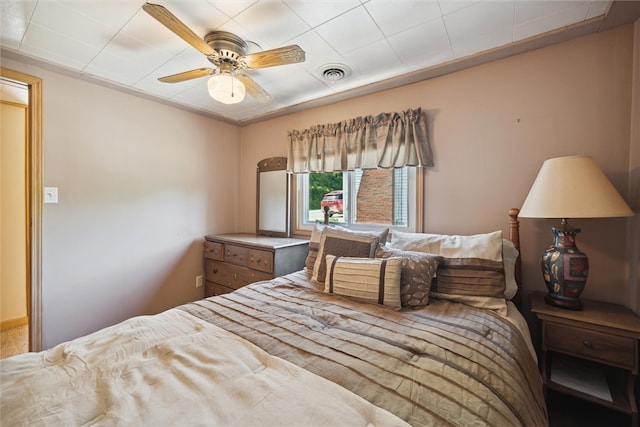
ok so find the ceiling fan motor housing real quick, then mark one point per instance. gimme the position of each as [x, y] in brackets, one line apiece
[229, 46]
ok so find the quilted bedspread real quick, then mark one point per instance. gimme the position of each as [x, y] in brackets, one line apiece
[445, 364]
[171, 369]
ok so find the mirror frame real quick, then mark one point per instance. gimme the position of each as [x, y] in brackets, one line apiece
[273, 164]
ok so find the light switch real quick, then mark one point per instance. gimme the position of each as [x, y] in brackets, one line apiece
[51, 194]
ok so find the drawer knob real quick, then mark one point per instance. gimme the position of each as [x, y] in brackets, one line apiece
[214, 271]
[587, 343]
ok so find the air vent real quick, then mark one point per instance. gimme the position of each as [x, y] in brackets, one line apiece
[334, 72]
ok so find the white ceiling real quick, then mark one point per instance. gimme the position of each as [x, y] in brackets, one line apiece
[116, 43]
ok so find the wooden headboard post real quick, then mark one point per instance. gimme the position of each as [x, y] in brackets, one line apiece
[514, 237]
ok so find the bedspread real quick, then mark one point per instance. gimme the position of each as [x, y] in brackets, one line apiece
[445, 364]
[171, 369]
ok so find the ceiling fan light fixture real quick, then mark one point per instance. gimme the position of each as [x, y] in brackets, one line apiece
[226, 88]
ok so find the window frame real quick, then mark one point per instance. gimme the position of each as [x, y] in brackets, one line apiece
[415, 208]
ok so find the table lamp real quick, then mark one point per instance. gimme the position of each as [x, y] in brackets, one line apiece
[570, 187]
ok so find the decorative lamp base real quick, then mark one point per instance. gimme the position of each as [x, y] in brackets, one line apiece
[565, 269]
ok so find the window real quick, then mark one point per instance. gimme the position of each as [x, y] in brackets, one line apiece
[368, 198]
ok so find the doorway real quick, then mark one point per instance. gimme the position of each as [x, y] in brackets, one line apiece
[33, 202]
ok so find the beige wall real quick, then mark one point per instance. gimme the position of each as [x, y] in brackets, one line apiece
[492, 126]
[13, 215]
[139, 184]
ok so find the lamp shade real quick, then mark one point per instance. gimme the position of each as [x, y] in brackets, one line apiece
[226, 89]
[573, 187]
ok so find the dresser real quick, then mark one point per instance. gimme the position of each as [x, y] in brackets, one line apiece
[591, 354]
[232, 261]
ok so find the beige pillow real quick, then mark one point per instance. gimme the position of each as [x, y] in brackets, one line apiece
[342, 243]
[314, 244]
[471, 270]
[510, 255]
[370, 280]
[418, 269]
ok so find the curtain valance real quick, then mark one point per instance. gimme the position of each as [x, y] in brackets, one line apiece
[387, 140]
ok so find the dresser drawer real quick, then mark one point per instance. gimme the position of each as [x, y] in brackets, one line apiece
[237, 255]
[261, 260]
[232, 276]
[611, 349]
[214, 250]
[213, 288]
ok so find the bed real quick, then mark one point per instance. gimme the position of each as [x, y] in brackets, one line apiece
[367, 334]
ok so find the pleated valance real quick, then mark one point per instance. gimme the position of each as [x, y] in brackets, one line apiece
[388, 140]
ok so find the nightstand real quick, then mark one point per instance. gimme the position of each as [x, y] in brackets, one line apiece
[591, 354]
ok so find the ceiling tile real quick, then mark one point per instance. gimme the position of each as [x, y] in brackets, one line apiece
[423, 46]
[598, 8]
[317, 51]
[232, 8]
[61, 18]
[350, 31]
[480, 26]
[448, 6]
[188, 59]
[103, 11]
[58, 48]
[201, 17]
[12, 30]
[14, 20]
[531, 19]
[372, 58]
[296, 85]
[271, 23]
[318, 12]
[395, 17]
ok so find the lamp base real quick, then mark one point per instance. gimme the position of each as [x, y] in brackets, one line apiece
[569, 303]
[565, 269]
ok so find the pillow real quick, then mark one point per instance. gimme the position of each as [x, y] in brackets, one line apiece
[418, 269]
[342, 243]
[471, 270]
[314, 242]
[510, 255]
[371, 280]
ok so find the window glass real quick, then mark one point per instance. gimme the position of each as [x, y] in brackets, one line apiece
[358, 199]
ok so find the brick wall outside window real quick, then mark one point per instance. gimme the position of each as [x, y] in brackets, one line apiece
[375, 197]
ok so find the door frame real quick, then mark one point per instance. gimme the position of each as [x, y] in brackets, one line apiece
[34, 204]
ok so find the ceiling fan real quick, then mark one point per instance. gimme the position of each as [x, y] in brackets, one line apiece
[228, 53]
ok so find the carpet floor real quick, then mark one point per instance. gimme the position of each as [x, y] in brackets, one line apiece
[14, 341]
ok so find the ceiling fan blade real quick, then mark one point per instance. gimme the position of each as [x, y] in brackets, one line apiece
[187, 75]
[166, 18]
[270, 58]
[254, 89]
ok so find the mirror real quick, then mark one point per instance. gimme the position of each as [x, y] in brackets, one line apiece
[272, 202]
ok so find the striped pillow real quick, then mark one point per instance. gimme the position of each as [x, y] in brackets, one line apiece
[471, 270]
[370, 280]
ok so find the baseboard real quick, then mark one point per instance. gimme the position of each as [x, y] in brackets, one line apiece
[14, 323]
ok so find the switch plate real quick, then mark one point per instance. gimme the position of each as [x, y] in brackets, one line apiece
[199, 281]
[51, 194]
